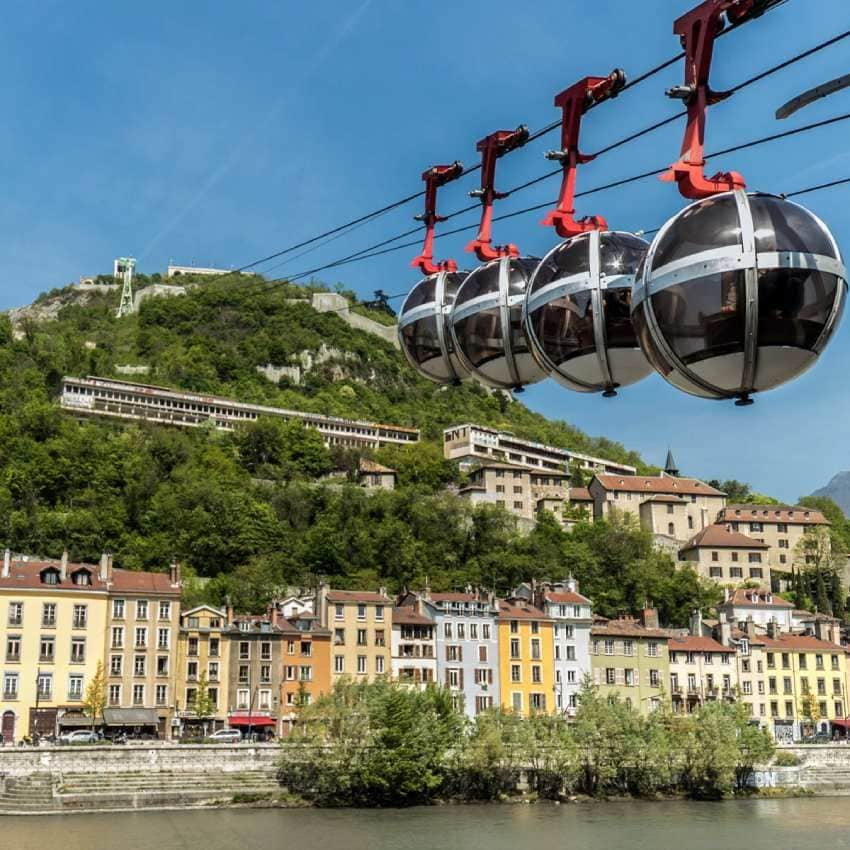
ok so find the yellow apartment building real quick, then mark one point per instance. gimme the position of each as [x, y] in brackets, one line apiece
[53, 629]
[202, 648]
[526, 658]
[360, 623]
[629, 658]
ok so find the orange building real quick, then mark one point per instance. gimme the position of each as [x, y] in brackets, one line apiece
[306, 659]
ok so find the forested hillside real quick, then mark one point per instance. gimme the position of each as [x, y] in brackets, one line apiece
[250, 511]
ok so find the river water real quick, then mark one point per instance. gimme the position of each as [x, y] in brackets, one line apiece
[804, 824]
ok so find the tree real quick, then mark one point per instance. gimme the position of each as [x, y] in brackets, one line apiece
[202, 705]
[810, 710]
[95, 699]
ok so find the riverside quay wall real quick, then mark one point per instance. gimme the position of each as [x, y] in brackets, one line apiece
[19, 762]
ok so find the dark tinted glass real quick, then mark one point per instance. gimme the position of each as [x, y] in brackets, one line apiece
[703, 317]
[520, 271]
[794, 305]
[422, 293]
[646, 342]
[620, 253]
[481, 281]
[451, 285]
[480, 336]
[564, 327]
[783, 226]
[421, 340]
[569, 258]
[619, 332]
[712, 223]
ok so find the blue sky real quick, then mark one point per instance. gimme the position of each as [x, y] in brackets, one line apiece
[217, 133]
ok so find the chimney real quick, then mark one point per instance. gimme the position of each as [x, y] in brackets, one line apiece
[696, 623]
[725, 632]
[7, 563]
[63, 566]
[427, 591]
[109, 568]
[273, 615]
[649, 617]
[104, 568]
[322, 604]
[382, 591]
[773, 629]
[228, 612]
[572, 585]
[174, 573]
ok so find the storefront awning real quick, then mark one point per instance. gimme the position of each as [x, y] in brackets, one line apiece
[250, 720]
[130, 717]
[841, 724]
[79, 721]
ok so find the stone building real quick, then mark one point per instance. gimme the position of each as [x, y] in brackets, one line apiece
[726, 556]
[375, 476]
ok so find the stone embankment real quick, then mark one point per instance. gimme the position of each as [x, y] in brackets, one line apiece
[78, 778]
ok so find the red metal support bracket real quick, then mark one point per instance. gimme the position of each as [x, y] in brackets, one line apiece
[434, 177]
[697, 31]
[491, 148]
[574, 102]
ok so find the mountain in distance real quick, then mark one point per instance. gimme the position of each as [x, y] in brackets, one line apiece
[838, 490]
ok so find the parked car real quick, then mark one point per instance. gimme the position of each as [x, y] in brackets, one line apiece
[79, 736]
[226, 736]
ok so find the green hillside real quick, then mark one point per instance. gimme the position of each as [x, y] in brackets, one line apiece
[250, 511]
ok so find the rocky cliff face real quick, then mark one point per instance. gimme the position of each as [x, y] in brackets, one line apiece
[838, 490]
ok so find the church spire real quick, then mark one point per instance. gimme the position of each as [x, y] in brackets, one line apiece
[670, 467]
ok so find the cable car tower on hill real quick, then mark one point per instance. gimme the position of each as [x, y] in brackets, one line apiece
[124, 266]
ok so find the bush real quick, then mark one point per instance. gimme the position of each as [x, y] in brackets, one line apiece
[784, 758]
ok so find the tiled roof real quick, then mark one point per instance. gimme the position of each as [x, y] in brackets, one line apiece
[773, 513]
[799, 643]
[454, 597]
[760, 598]
[369, 466]
[625, 627]
[566, 598]
[131, 581]
[357, 596]
[721, 536]
[695, 643]
[27, 575]
[580, 494]
[409, 616]
[520, 611]
[657, 484]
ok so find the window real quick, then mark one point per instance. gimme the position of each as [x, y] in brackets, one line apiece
[379, 613]
[379, 664]
[652, 649]
[138, 694]
[214, 647]
[447, 631]
[516, 702]
[10, 686]
[78, 650]
[669, 509]
[461, 631]
[44, 685]
[164, 612]
[754, 557]
[783, 543]
[535, 649]
[736, 572]
[361, 611]
[514, 627]
[485, 631]
[671, 529]
[339, 637]
[535, 674]
[306, 648]
[115, 695]
[163, 638]
[244, 650]
[48, 614]
[715, 572]
[141, 637]
[192, 649]
[339, 664]
[142, 609]
[265, 673]
[13, 648]
[609, 647]
[783, 559]
[50, 577]
[715, 556]
[75, 686]
[162, 694]
[654, 679]
[482, 653]
[194, 622]
[16, 613]
[610, 676]
[243, 674]
[473, 631]
[537, 702]
[116, 665]
[47, 649]
[242, 698]
[162, 666]
[515, 648]
[81, 577]
[339, 612]
[782, 528]
[265, 651]
[361, 664]
[756, 572]
[756, 526]
[361, 637]
[192, 670]
[453, 653]
[629, 677]
[81, 616]
[802, 661]
[140, 667]
[735, 556]
[264, 701]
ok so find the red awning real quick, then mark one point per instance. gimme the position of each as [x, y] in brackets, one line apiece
[841, 724]
[250, 720]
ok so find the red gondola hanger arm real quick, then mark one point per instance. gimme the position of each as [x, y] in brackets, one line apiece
[491, 148]
[574, 102]
[697, 31]
[434, 177]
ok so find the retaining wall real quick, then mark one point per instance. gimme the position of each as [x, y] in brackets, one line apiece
[131, 758]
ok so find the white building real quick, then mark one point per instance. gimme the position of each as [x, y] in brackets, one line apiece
[178, 271]
[759, 605]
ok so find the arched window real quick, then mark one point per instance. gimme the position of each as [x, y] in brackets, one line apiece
[50, 576]
[671, 529]
[81, 577]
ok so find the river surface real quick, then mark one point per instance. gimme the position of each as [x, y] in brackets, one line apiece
[804, 824]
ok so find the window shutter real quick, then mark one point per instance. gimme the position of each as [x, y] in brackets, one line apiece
[489, 675]
[447, 678]
[597, 677]
[447, 653]
[460, 653]
[460, 679]
[620, 676]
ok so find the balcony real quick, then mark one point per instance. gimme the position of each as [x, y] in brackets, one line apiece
[10, 696]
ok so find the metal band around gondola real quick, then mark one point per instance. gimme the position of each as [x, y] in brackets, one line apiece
[565, 286]
[442, 318]
[599, 334]
[751, 295]
[505, 310]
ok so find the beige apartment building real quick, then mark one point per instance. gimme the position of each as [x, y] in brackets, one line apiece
[142, 629]
[672, 508]
[701, 670]
[360, 623]
[726, 556]
[781, 527]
